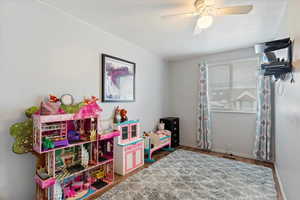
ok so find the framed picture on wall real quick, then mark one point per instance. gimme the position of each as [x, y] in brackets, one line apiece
[118, 79]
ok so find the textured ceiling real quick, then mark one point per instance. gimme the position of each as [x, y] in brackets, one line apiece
[140, 22]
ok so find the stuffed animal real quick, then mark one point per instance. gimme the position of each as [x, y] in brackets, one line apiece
[123, 114]
[53, 99]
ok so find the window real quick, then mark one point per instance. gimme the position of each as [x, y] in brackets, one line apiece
[124, 133]
[232, 86]
[133, 131]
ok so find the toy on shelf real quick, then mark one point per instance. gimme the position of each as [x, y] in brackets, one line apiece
[73, 136]
[93, 135]
[81, 169]
[57, 190]
[84, 156]
[65, 129]
[123, 114]
[117, 116]
[70, 150]
[51, 107]
[129, 147]
[100, 173]
[47, 143]
[60, 142]
[157, 140]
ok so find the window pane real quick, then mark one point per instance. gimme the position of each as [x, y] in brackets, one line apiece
[219, 87]
[124, 133]
[244, 74]
[219, 76]
[232, 87]
[133, 131]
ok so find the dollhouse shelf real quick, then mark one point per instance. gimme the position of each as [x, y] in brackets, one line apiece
[99, 138]
[107, 136]
[75, 158]
[57, 118]
[87, 169]
[70, 145]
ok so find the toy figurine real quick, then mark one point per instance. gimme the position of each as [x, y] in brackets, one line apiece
[58, 191]
[161, 126]
[47, 144]
[84, 157]
[123, 114]
[81, 129]
[100, 173]
[100, 152]
[88, 101]
[109, 147]
[53, 99]
[117, 116]
[93, 135]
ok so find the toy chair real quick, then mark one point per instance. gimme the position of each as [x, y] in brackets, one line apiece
[77, 186]
[86, 186]
[68, 192]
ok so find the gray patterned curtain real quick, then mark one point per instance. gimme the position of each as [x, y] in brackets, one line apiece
[204, 129]
[263, 140]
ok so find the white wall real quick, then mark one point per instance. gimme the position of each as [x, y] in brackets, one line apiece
[46, 51]
[288, 117]
[232, 132]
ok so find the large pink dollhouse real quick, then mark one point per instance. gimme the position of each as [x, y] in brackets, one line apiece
[74, 159]
[129, 147]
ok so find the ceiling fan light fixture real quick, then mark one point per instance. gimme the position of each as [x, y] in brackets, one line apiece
[204, 22]
[210, 2]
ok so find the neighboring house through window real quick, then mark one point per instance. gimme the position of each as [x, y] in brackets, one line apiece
[232, 86]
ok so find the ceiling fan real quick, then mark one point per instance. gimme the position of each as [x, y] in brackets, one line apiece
[206, 10]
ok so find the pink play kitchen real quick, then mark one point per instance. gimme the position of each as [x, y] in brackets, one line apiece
[129, 147]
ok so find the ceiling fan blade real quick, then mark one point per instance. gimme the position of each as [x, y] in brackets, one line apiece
[191, 14]
[235, 10]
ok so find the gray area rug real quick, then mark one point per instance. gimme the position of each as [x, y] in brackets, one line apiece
[186, 175]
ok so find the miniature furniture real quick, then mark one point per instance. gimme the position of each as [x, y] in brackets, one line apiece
[129, 147]
[172, 124]
[154, 142]
[70, 164]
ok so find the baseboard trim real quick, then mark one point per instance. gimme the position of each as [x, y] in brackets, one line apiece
[234, 153]
[279, 182]
[223, 151]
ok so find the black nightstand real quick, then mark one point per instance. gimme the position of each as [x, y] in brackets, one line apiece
[172, 124]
